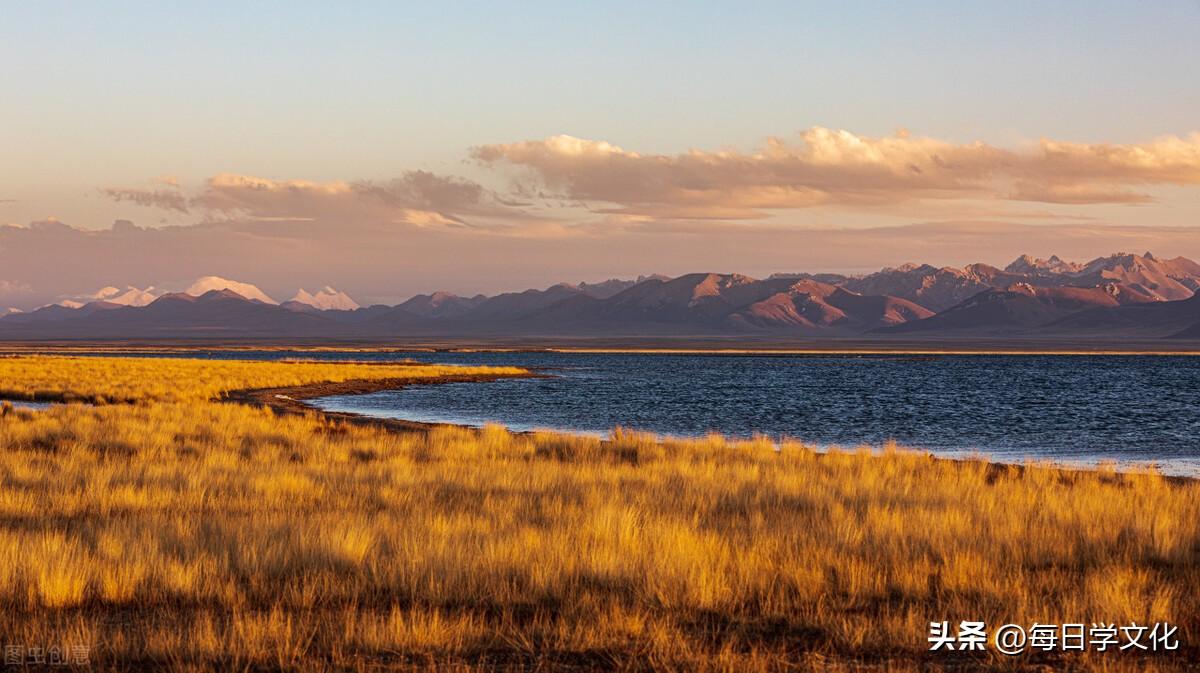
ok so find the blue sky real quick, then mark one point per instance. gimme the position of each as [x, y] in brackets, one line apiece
[321, 90]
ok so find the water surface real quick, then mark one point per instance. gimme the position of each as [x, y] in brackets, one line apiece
[1073, 409]
[24, 404]
[1070, 409]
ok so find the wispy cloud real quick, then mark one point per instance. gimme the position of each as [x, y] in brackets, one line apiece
[12, 288]
[825, 167]
[166, 199]
[418, 198]
[901, 175]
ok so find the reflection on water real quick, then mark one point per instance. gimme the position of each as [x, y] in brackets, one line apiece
[22, 404]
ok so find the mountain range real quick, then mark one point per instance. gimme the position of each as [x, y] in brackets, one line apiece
[1120, 296]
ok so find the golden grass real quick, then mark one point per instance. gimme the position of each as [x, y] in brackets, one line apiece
[149, 380]
[193, 536]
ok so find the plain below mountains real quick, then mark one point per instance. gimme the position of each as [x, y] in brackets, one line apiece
[1119, 296]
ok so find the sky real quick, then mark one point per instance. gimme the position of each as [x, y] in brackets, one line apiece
[395, 148]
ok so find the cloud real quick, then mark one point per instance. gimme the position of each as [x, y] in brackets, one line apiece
[426, 191]
[419, 198]
[165, 199]
[1070, 194]
[825, 167]
[900, 175]
[11, 288]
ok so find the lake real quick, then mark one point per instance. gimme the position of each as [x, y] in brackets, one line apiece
[1072, 409]
[1075, 410]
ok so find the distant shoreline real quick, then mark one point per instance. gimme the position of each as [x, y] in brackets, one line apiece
[648, 346]
[817, 351]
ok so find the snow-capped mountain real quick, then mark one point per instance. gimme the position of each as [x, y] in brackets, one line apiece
[1120, 295]
[210, 283]
[130, 296]
[137, 297]
[326, 299]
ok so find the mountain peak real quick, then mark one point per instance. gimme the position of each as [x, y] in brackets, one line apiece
[1028, 264]
[1121, 291]
[245, 290]
[204, 297]
[326, 299]
[129, 296]
[213, 295]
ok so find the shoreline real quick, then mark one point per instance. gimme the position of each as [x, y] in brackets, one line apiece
[292, 400]
[649, 346]
[815, 351]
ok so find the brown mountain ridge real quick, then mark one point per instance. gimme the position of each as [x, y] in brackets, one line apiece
[1121, 296]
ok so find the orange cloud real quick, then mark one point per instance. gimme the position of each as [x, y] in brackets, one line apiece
[827, 167]
[418, 198]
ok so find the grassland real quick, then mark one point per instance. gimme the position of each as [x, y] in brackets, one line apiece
[174, 531]
[104, 380]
